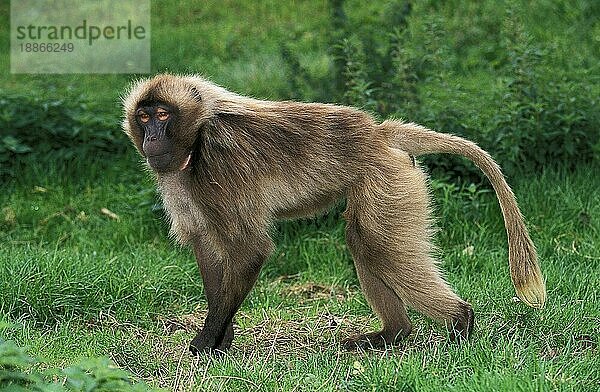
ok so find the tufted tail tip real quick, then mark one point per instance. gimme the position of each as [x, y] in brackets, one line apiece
[532, 291]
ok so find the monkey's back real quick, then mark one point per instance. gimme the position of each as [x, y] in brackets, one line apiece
[303, 156]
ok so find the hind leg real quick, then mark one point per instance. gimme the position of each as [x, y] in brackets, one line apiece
[383, 300]
[389, 234]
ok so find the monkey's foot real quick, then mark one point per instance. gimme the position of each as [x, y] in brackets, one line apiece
[462, 326]
[374, 341]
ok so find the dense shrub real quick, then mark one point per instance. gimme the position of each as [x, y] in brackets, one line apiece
[57, 129]
[525, 101]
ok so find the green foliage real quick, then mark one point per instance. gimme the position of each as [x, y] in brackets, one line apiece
[65, 129]
[529, 110]
[100, 375]
[18, 372]
[543, 120]
[358, 91]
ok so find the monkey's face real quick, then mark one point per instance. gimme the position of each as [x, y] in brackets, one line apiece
[163, 116]
[157, 121]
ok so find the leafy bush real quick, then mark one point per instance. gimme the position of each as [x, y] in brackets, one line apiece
[543, 120]
[524, 104]
[59, 129]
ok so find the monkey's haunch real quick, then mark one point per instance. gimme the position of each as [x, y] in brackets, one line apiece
[228, 166]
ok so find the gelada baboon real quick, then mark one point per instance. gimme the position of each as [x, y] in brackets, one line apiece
[228, 166]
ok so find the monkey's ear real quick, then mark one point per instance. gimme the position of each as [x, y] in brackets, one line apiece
[196, 94]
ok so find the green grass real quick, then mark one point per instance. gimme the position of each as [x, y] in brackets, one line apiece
[79, 284]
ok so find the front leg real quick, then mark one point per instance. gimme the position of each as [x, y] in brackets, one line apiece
[212, 276]
[227, 281]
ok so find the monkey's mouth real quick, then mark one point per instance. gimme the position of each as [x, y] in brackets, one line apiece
[159, 162]
[162, 162]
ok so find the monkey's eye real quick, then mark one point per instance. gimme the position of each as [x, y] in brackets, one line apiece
[144, 117]
[162, 115]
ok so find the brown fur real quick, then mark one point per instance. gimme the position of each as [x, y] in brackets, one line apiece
[257, 161]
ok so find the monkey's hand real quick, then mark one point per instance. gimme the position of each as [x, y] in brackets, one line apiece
[205, 342]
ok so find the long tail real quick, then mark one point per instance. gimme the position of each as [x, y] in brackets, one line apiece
[524, 268]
